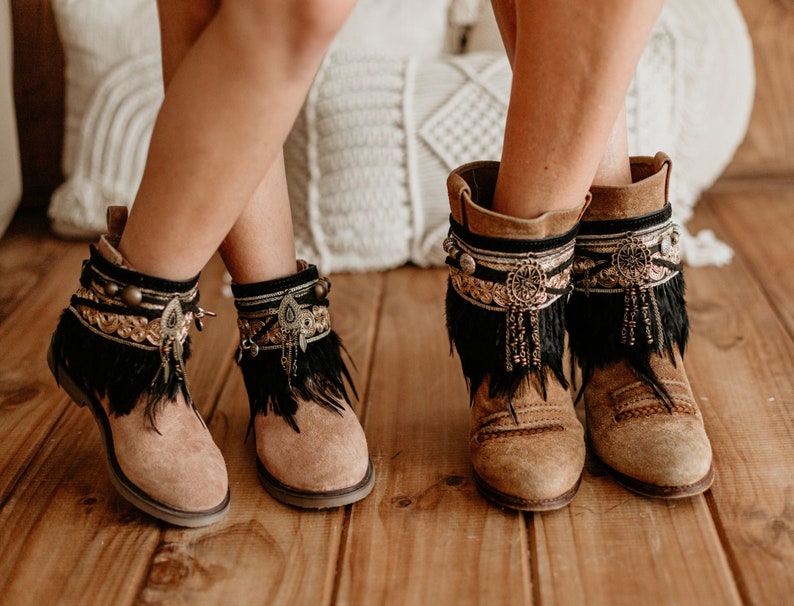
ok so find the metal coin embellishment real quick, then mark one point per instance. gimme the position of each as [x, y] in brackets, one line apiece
[526, 284]
[632, 261]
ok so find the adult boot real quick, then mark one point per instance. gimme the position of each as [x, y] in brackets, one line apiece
[120, 348]
[628, 329]
[311, 448]
[508, 283]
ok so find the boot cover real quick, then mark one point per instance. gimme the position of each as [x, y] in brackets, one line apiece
[120, 348]
[508, 282]
[311, 448]
[628, 330]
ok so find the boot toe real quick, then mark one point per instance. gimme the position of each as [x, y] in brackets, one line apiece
[177, 466]
[534, 472]
[660, 459]
[329, 453]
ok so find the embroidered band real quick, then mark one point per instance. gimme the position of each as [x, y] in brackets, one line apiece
[633, 263]
[519, 283]
[288, 318]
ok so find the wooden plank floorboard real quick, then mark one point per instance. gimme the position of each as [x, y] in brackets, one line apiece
[30, 404]
[611, 547]
[741, 362]
[264, 552]
[26, 253]
[425, 536]
[760, 224]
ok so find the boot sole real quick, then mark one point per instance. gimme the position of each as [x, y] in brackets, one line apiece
[121, 483]
[315, 500]
[654, 490]
[513, 502]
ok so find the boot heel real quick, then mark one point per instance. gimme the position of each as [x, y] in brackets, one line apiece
[77, 395]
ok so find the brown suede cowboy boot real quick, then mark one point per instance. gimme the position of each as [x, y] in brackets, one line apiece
[120, 348]
[311, 449]
[628, 328]
[509, 279]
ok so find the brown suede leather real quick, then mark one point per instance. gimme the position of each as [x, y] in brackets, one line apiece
[535, 464]
[647, 193]
[178, 464]
[470, 189]
[632, 432]
[329, 454]
[648, 448]
[538, 462]
[181, 466]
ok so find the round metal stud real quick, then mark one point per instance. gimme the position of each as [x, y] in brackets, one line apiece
[111, 289]
[467, 264]
[132, 295]
[321, 290]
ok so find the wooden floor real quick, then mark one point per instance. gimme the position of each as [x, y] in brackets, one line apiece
[424, 536]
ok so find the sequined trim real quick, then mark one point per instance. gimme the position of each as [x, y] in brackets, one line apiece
[632, 264]
[614, 263]
[311, 321]
[532, 280]
[287, 319]
[135, 329]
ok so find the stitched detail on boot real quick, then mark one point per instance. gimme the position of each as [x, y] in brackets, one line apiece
[643, 387]
[638, 400]
[490, 433]
[648, 411]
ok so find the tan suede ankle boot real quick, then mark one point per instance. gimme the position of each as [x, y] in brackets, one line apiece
[628, 328]
[509, 279]
[120, 348]
[311, 448]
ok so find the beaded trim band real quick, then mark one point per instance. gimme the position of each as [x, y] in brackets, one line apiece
[633, 263]
[135, 330]
[517, 283]
[287, 319]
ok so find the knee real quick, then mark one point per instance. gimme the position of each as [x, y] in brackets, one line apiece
[306, 24]
[320, 20]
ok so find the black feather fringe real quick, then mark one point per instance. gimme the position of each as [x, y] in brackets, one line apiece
[111, 368]
[479, 336]
[120, 372]
[320, 377]
[594, 325]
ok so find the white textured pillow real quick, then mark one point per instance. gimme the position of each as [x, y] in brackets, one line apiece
[97, 35]
[396, 27]
[368, 158]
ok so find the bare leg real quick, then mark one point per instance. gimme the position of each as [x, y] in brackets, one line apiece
[229, 105]
[266, 217]
[565, 118]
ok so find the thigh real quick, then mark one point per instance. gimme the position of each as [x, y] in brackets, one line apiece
[181, 23]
